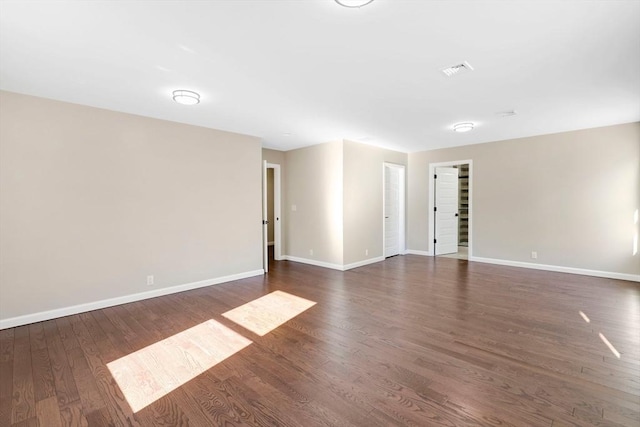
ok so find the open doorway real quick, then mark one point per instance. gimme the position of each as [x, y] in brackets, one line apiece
[450, 210]
[272, 219]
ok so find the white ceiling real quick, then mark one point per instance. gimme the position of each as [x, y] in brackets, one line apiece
[321, 72]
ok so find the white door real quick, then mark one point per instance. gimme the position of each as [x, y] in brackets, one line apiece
[446, 211]
[265, 230]
[391, 211]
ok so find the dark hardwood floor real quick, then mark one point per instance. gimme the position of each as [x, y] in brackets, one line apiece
[412, 341]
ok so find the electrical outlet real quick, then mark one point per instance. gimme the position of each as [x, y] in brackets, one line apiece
[366, 251]
[310, 251]
[534, 255]
[149, 280]
[294, 208]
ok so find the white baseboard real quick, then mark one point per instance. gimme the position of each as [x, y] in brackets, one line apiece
[559, 269]
[415, 252]
[313, 262]
[362, 263]
[96, 305]
[339, 267]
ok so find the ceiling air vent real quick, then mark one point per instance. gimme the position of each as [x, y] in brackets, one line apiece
[465, 67]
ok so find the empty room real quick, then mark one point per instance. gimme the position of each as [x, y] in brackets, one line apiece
[319, 213]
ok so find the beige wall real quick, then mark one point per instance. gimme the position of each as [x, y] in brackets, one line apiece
[569, 196]
[273, 156]
[337, 190]
[363, 188]
[314, 185]
[93, 201]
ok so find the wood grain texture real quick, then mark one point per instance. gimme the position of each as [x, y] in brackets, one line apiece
[6, 375]
[48, 412]
[72, 415]
[44, 386]
[411, 341]
[65, 384]
[23, 405]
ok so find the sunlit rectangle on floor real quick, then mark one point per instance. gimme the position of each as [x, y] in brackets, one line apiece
[266, 313]
[585, 317]
[608, 344]
[154, 371]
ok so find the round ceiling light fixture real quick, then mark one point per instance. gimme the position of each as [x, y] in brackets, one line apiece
[463, 127]
[353, 4]
[186, 97]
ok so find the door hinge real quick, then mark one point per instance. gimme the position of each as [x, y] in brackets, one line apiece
[435, 176]
[435, 209]
[435, 241]
[265, 222]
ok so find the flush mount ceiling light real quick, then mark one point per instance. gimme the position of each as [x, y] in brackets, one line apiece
[186, 97]
[353, 4]
[463, 127]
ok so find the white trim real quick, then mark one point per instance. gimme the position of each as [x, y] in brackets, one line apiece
[96, 305]
[402, 208]
[416, 252]
[334, 266]
[270, 243]
[362, 263]
[313, 262]
[265, 227]
[559, 269]
[432, 168]
[277, 211]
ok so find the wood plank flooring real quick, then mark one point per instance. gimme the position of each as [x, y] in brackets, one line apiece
[411, 341]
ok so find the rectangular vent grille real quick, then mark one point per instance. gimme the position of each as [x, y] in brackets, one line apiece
[465, 67]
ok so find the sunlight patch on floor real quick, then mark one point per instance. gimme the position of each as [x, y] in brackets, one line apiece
[154, 371]
[584, 316]
[266, 313]
[608, 344]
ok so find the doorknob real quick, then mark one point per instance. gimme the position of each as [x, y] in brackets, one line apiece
[456, 214]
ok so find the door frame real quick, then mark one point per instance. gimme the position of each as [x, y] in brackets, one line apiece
[277, 229]
[265, 240]
[432, 196]
[402, 208]
[277, 225]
